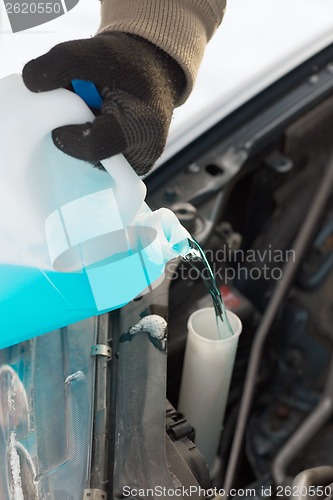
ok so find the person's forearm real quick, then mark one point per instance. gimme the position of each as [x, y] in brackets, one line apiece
[179, 27]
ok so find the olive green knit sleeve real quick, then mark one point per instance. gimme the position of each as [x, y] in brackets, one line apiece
[179, 27]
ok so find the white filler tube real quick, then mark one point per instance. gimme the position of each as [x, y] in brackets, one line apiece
[207, 371]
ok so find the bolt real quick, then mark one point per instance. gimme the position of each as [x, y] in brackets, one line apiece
[193, 168]
[314, 79]
[171, 193]
[186, 213]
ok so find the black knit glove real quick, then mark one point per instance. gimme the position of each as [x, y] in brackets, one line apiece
[140, 85]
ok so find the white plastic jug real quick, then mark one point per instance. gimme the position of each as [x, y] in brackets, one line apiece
[75, 241]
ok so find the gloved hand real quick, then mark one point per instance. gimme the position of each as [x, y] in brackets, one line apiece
[140, 85]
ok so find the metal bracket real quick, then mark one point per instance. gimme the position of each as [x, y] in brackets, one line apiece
[101, 350]
[94, 495]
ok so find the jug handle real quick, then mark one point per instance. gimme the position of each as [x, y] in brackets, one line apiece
[88, 92]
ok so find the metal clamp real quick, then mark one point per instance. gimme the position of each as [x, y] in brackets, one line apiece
[94, 495]
[101, 350]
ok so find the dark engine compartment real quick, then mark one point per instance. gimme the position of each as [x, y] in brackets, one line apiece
[246, 199]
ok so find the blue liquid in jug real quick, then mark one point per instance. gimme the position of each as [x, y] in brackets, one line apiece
[35, 301]
[32, 298]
